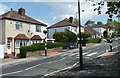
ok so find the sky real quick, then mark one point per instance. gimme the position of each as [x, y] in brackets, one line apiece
[52, 12]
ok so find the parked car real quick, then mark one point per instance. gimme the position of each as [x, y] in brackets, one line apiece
[109, 40]
[104, 40]
[69, 46]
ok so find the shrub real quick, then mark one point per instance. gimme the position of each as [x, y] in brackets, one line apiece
[94, 40]
[83, 42]
[23, 51]
[18, 55]
[36, 47]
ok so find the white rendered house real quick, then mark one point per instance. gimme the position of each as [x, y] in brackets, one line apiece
[62, 25]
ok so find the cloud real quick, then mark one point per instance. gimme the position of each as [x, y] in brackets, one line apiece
[42, 21]
[67, 9]
[3, 8]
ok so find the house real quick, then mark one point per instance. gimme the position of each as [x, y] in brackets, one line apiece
[97, 30]
[62, 25]
[17, 29]
[93, 33]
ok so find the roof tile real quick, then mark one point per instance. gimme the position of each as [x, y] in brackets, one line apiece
[64, 22]
[14, 15]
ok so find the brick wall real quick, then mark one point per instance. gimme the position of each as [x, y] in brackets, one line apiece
[42, 52]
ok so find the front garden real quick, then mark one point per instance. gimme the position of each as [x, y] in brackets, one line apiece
[36, 47]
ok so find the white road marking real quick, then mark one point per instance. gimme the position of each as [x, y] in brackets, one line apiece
[64, 54]
[85, 53]
[61, 70]
[31, 67]
[73, 54]
[92, 54]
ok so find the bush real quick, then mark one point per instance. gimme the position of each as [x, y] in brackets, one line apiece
[94, 40]
[18, 55]
[83, 42]
[36, 47]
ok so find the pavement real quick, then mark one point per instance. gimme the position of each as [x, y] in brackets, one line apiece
[14, 61]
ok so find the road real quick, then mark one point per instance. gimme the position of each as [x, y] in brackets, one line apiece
[53, 64]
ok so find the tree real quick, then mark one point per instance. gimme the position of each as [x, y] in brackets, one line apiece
[112, 8]
[66, 36]
[105, 34]
[89, 23]
[100, 23]
[76, 21]
[115, 26]
[84, 36]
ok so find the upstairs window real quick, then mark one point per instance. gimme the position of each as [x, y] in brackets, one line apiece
[38, 28]
[18, 25]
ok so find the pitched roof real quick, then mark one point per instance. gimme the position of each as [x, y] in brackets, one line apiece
[14, 15]
[97, 26]
[91, 31]
[21, 36]
[36, 37]
[64, 22]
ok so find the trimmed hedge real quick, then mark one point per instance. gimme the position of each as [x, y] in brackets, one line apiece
[94, 40]
[36, 47]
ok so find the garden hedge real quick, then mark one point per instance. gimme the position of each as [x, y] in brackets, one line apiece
[36, 47]
[94, 40]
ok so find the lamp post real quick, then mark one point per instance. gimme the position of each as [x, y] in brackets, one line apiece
[80, 47]
[45, 32]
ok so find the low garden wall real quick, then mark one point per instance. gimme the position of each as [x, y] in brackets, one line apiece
[42, 52]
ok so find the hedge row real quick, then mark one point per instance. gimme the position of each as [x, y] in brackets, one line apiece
[36, 47]
[94, 40]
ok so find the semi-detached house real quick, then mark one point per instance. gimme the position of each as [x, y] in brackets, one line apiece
[17, 29]
[60, 26]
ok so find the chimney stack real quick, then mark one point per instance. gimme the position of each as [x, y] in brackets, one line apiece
[71, 19]
[21, 11]
[11, 9]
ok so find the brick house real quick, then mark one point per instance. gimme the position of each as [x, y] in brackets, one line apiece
[17, 29]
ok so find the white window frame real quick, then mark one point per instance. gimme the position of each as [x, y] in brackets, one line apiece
[18, 26]
[35, 41]
[38, 28]
[17, 43]
[24, 43]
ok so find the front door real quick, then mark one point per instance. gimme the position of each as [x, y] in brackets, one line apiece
[9, 46]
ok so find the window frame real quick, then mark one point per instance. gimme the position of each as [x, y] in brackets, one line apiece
[21, 43]
[38, 28]
[18, 26]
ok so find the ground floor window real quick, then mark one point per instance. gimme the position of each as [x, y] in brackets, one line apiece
[35, 41]
[19, 43]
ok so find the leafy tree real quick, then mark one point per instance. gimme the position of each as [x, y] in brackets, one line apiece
[115, 26]
[84, 36]
[112, 8]
[66, 36]
[105, 34]
[76, 21]
[89, 23]
[100, 23]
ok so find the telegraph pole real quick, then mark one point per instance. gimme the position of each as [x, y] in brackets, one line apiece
[80, 47]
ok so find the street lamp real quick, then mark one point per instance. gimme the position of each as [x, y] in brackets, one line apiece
[80, 47]
[45, 40]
